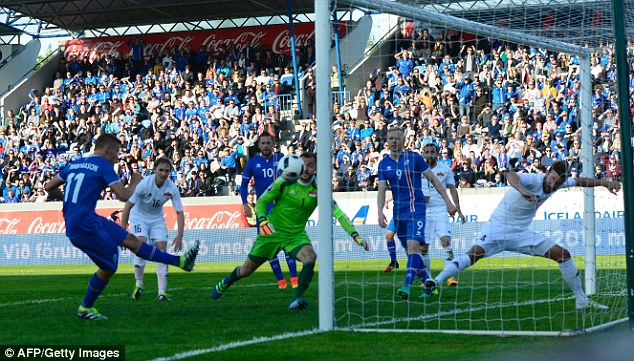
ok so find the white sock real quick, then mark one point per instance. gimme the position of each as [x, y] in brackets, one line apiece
[449, 253]
[161, 276]
[139, 269]
[571, 275]
[453, 268]
[427, 262]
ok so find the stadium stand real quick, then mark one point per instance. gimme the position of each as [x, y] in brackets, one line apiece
[488, 105]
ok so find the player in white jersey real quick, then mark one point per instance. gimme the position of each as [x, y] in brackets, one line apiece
[437, 219]
[507, 229]
[145, 212]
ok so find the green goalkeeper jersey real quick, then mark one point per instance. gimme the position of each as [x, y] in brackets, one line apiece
[294, 203]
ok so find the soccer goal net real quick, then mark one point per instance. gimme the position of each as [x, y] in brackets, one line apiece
[496, 88]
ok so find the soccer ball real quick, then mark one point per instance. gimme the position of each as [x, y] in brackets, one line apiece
[290, 167]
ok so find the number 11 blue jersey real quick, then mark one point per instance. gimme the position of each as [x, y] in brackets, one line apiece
[84, 180]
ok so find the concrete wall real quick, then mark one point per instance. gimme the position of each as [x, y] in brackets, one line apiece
[43, 77]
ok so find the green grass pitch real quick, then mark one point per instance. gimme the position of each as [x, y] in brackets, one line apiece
[38, 304]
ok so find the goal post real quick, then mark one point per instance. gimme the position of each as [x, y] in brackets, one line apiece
[618, 19]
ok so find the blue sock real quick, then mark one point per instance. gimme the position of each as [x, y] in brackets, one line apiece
[292, 265]
[422, 274]
[414, 262]
[95, 287]
[154, 254]
[277, 270]
[391, 249]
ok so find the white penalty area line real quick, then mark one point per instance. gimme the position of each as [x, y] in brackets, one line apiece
[236, 344]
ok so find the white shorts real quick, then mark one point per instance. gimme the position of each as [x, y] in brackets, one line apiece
[153, 231]
[436, 227]
[495, 239]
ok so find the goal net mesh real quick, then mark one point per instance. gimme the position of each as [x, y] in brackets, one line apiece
[524, 63]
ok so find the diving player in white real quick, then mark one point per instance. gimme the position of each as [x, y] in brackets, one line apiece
[437, 220]
[145, 212]
[507, 230]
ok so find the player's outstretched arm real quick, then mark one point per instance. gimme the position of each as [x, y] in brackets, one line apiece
[52, 187]
[514, 181]
[344, 221]
[613, 187]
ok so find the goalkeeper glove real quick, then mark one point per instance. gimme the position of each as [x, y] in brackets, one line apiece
[266, 228]
[360, 241]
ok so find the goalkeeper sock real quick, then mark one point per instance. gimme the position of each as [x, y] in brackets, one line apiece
[292, 265]
[233, 277]
[427, 264]
[152, 253]
[95, 287]
[305, 276]
[391, 249]
[414, 266]
[277, 270]
[571, 275]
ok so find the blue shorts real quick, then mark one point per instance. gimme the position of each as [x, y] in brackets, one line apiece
[102, 245]
[410, 228]
[391, 227]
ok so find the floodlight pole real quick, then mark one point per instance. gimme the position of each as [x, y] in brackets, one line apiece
[324, 168]
[625, 119]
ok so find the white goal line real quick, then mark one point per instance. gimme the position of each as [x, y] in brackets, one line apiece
[227, 346]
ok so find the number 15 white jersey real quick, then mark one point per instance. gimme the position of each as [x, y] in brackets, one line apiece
[436, 206]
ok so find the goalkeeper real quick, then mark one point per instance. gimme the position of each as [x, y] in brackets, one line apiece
[284, 229]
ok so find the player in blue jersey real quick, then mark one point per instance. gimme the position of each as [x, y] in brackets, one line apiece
[262, 169]
[403, 171]
[96, 236]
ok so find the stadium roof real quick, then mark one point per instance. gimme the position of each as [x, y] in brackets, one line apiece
[81, 18]
[571, 21]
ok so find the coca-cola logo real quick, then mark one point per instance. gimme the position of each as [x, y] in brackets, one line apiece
[274, 37]
[94, 50]
[243, 40]
[175, 42]
[7, 225]
[220, 219]
[282, 42]
[38, 225]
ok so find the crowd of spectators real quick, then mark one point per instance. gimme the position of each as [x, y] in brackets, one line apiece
[488, 106]
[203, 111]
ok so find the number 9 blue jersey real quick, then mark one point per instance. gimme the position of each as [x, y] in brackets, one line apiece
[404, 177]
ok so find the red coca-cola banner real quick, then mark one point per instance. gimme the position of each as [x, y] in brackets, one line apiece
[52, 221]
[274, 37]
